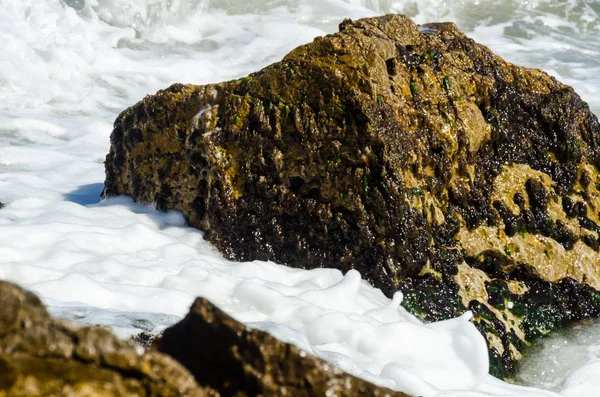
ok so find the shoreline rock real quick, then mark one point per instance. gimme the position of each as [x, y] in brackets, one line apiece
[410, 153]
[40, 356]
[207, 340]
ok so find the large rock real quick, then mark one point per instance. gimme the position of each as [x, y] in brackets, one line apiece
[239, 361]
[42, 357]
[410, 153]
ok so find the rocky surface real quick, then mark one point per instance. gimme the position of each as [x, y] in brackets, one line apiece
[42, 357]
[238, 361]
[410, 153]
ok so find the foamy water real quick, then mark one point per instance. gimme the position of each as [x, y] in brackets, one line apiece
[67, 68]
[567, 361]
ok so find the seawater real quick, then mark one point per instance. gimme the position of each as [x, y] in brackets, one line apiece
[567, 361]
[68, 67]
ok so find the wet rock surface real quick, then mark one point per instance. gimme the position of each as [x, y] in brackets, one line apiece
[42, 357]
[239, 361]
[410, 153]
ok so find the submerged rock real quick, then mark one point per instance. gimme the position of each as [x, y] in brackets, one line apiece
[239, 361]
[42, 357]
[410, 153]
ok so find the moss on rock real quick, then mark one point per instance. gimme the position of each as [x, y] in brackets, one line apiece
[410, 153]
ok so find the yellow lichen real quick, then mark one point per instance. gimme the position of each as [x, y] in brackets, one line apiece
[471, 283]
[547, 258]
[227, 157]
[477, 129]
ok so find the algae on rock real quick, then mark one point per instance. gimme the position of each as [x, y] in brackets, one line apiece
[410, 153]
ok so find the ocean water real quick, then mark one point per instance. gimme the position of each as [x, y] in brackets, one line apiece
[68, 67]
[568, 361]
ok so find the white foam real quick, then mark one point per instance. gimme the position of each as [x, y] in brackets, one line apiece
[67, 68]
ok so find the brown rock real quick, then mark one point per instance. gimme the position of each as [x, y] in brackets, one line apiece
[42, 357]
[239, 361]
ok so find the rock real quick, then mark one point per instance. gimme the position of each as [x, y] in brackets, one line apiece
[145, 339]
[410, 153]
[239, 361]
[39, 356]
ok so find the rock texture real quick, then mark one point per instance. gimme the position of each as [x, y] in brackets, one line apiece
[238, 361]
[410, 153]
[42, 357]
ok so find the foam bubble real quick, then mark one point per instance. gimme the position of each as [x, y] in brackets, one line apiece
[582, 381]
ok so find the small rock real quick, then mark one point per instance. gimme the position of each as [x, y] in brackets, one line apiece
[144, 339]
[235, 360]
[41, 357]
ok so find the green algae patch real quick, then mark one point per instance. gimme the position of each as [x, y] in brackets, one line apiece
[422, 160]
